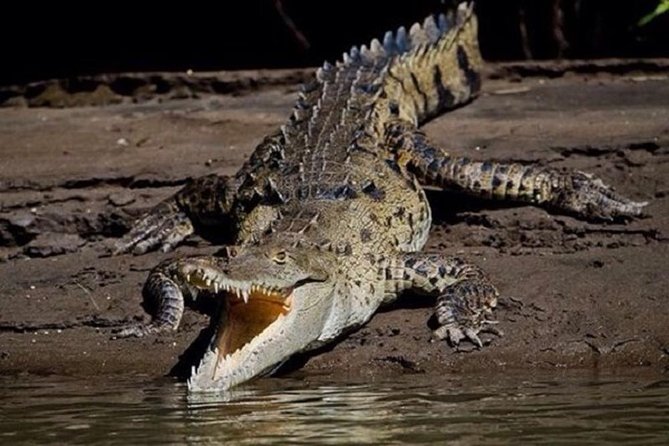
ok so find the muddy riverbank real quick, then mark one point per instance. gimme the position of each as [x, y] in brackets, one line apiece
[79, 166]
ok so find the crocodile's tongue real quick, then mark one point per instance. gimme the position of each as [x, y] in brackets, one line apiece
[243, 321]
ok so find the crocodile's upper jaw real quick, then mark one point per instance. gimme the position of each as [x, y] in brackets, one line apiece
[259, 327]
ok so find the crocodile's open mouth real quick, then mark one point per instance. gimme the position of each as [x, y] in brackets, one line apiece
[249, 309]
[246, 319]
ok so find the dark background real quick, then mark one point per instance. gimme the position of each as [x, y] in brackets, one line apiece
[60, 40]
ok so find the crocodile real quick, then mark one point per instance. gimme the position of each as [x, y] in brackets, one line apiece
[327, 218]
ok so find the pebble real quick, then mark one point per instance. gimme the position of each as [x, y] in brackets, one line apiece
[51, 244]
[121, 198]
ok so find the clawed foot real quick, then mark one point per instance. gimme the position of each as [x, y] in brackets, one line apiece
[141, 330]
[588, 196]
[454, 333]
[465, 310]
[163, 227]
[131, 331]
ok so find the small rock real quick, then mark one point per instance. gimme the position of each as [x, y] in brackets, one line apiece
[17, 229]
[52, 244]
[22, 219]
[121, 198]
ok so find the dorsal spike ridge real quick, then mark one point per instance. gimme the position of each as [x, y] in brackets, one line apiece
[355, 53]
[401, 39]
[462, 13]
[417, 35]
[438, 68]
[385, 65]
[364, 52]
[431, 30]
[389, 42]
[443, 23]
[377, 48]
[322, 74]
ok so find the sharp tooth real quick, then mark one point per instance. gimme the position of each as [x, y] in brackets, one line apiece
[238, 293]
[216, 287]
[188, 277]
[245, 294]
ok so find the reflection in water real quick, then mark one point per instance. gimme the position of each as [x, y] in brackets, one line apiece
[566, 408]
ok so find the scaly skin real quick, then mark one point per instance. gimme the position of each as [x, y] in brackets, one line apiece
[328, 216]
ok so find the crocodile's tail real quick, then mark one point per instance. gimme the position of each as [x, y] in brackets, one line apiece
[412, 75]
[438, 65]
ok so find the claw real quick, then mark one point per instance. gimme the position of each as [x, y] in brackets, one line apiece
[454, 335]
[493, 330]
[161, 228]
[472, 335]
[134, 331]
[591, 197]
[142, 329]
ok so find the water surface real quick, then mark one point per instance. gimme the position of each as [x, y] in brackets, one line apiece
[566, 408]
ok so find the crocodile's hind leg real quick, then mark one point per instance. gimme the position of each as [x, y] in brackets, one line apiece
[572, 192]
[166, 292]
[465, 296]
[204, 201]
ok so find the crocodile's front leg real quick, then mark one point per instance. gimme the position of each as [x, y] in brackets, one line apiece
[465, 296]
[568, 191]
[205, 201]
[166, 292]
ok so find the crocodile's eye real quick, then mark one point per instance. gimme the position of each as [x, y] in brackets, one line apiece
[280, 257]
[230, 251]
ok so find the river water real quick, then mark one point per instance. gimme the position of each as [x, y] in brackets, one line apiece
[566, 408]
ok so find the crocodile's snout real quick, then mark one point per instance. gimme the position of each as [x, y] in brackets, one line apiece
[266, 303]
